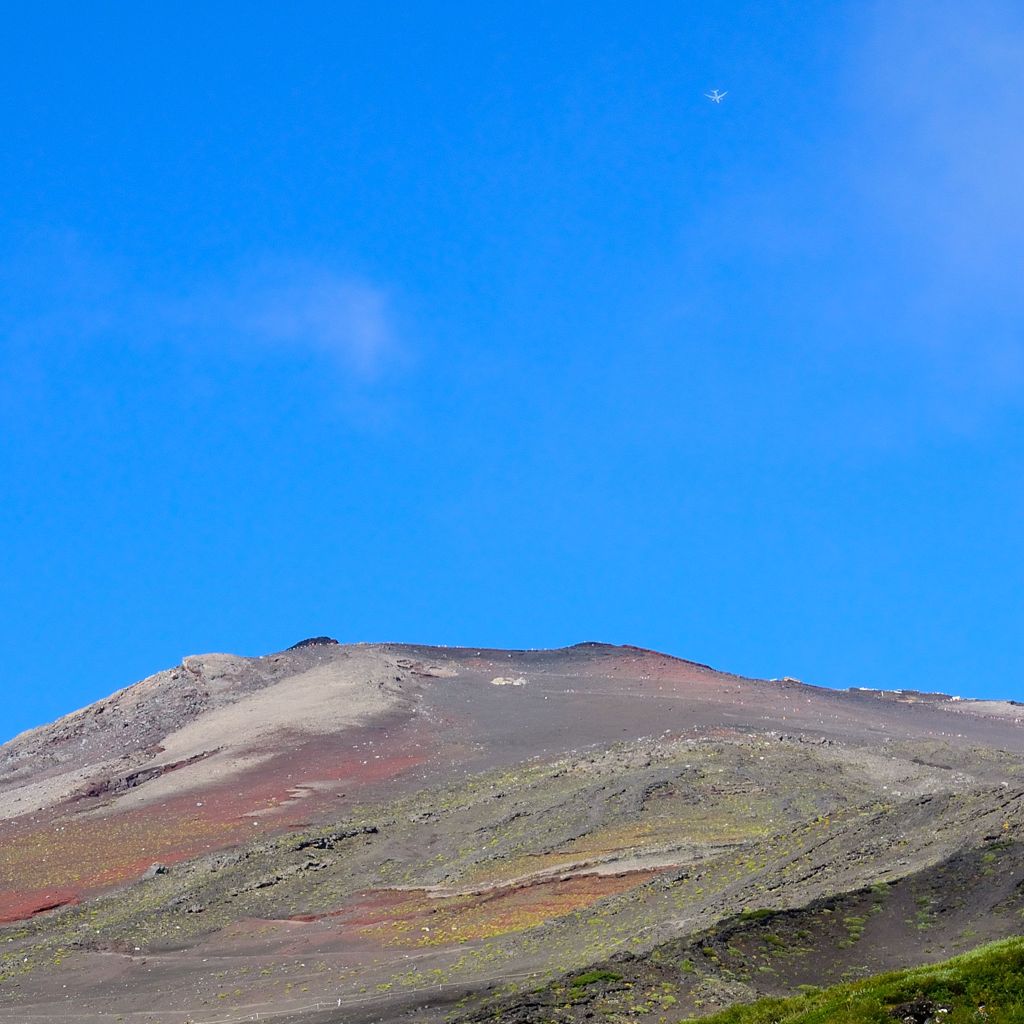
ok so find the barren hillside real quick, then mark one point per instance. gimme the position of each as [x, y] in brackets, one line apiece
[346, 832]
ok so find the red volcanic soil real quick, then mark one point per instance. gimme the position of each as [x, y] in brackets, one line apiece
[413, 917]
[37, 902]
[55, 858]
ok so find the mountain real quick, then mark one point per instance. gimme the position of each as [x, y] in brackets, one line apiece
[372, 831]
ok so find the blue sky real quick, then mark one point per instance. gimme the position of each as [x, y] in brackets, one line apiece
[438, 324]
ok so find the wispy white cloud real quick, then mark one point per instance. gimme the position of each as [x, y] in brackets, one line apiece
[342, 318]
[944, 85]
[346, 319]
[58, 297]
[889, 257]
[936, 164]
[65, 312]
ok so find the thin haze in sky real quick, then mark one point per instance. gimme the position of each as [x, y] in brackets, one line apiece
[447, 325]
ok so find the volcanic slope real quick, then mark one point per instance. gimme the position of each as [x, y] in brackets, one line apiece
[363, 832]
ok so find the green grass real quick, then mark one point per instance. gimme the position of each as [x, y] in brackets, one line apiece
[756, 915]
[593, 977]
[991, 978]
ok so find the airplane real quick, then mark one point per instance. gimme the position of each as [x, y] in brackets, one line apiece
[715, 96]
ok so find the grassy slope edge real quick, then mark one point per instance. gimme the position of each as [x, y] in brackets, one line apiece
[986, 984]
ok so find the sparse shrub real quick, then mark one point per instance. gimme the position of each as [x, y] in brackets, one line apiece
[594, 977]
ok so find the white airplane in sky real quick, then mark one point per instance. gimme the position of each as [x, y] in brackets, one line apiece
[715, 96]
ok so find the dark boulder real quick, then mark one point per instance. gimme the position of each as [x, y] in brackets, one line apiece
[314, 641]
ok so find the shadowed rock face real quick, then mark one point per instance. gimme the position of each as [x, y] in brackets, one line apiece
[313, 641]
[402, 827]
